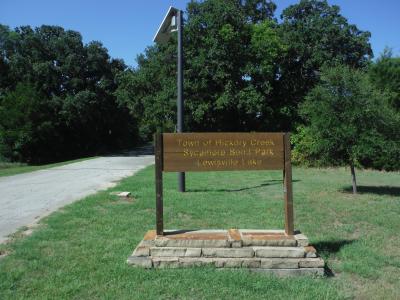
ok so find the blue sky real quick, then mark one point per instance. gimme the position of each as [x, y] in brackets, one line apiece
[126, 27]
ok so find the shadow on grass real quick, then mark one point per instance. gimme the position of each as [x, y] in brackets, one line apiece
[377, 190]
[330, 247]
[328, 272]
[269, 182]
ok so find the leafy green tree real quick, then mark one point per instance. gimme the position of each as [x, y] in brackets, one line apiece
[231, 48]
[23, 123]
[76, 84]
[243, 71]
[231, 53]
[257, 11]
[149, 91]
[316, 35]
[348, 120]
[385, 75]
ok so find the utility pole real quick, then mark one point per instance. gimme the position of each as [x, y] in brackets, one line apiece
[173, 21]
[181, 175]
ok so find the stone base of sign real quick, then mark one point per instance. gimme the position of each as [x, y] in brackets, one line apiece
[266, 251]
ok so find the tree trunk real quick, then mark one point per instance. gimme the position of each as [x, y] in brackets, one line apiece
[353, 178]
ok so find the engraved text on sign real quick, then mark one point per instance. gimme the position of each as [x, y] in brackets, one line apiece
[222, 151]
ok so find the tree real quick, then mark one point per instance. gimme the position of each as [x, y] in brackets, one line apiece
[385, 75]
[76, 84]
[348, 120]
[231, 48]
[316, 35]
[231, 55]
[243, 70]
[149, 91]
[24, 125]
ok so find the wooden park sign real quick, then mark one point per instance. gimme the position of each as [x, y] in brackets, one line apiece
[201, 152]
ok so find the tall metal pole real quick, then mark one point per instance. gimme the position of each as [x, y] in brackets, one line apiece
[181, 175]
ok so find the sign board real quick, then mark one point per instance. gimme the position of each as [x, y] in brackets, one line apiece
[200, 152]
[222, 151]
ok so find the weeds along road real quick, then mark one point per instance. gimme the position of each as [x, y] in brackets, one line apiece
[25, 198]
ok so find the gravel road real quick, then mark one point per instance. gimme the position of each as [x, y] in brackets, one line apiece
[25, 198]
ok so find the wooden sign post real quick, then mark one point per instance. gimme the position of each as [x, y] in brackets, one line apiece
[201, 152]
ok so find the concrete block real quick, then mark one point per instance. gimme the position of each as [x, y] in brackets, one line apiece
[273, 243]
[194, 239]
[193, 252]
[280, 263]
[310, 251]
[251, 263]
[302, 240]
[219, 262]
[197, 231]
[150, 235]
[236, 244]
[267, 238]
[264, 231]
[167, 251]
[140, 261]
[149, 238]
[282, 252]
[236, 262]
[311, 263]
[227, 252]
[228, 262]
[195, 261]
[166, 262]
[233, 263]
[124, 194]
[160, 242]
[149, 243]
[141, 251]
[235, 238]
[290, 272]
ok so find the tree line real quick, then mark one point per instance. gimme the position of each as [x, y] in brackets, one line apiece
[57, 96]
[245, 70]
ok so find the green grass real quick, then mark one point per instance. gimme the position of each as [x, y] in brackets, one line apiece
[80, 251]
[8, 169]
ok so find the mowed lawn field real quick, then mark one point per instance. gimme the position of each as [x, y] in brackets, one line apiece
[80, 251]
